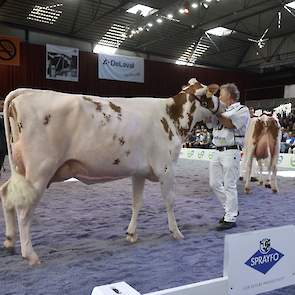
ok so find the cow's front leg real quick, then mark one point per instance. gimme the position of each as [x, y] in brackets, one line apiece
[10, 227]
[167, 188]
[138, 185]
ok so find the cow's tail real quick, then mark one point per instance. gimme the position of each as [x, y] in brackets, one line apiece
[17, 191]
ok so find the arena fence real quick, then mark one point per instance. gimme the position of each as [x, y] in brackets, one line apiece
[254, 262]
[284, 160]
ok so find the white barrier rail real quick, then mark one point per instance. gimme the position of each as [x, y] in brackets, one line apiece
[284, 160]
[254, 262]
[216, 286]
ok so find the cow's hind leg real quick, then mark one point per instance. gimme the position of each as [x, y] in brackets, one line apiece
[10, 227]
[269, 171]
[24, 216]
[273, 181]
[247, 188]
[260, 172]
[138, 185]
[167, 188]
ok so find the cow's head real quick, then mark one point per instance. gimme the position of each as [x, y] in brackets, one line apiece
[266, 123]
[204, 94]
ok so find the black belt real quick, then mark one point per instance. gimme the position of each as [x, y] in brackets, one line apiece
[229, 147]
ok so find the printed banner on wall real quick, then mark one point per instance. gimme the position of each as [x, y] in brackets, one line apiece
[289, 91]
[121, 68]
[284, 160]
[9, 50]
[62, 63]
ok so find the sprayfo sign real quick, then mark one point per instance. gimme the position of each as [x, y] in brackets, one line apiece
[121, 68]
[260, 261]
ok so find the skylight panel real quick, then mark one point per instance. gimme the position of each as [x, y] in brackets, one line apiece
[220, 31]
[142, 10]
[45, 14]
[291, 4]
[192, 53]
[112, 39]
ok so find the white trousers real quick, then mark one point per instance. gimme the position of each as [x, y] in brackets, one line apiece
[223, 177]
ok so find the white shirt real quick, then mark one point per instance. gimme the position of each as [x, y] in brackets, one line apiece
[239, 115]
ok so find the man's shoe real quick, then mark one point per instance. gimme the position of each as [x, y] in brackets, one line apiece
[241, 178]
[253, 179]
[226, 225]
[221, 220]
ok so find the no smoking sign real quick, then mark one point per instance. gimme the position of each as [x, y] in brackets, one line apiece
[9, 50]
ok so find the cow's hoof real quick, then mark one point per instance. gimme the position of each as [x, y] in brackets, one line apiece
[267, 185]
[247, 190]
[8, 244]
[33, 260]
[177, 235]
[132, 238]
[274, 190]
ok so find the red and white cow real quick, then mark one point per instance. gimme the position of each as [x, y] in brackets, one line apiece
[262, 141]
[54, 136]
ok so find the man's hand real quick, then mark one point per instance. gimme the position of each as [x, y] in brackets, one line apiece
[226, 122]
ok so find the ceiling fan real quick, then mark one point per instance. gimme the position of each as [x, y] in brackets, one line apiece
[261, 41]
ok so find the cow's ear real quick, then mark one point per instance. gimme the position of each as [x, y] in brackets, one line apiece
[213, 88]
[192, 81]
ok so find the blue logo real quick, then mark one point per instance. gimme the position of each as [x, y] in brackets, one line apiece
[265, 258]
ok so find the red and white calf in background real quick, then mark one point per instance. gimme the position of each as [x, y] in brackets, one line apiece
[262, 141]
[54, 136]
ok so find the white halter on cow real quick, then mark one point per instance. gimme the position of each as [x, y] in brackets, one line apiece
[54, 136]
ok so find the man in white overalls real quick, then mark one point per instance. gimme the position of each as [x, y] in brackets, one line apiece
[228, 137]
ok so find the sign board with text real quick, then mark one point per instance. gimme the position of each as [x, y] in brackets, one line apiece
[260, 261]
[284, 160]
[121, 68]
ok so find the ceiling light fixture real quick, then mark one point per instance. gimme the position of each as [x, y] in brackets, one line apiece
[195, 5]
[159, 20]
[150, 24]
[170, 15]
[205, 5]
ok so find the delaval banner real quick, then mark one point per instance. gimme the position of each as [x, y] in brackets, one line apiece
[259, 261]
[121, 68]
